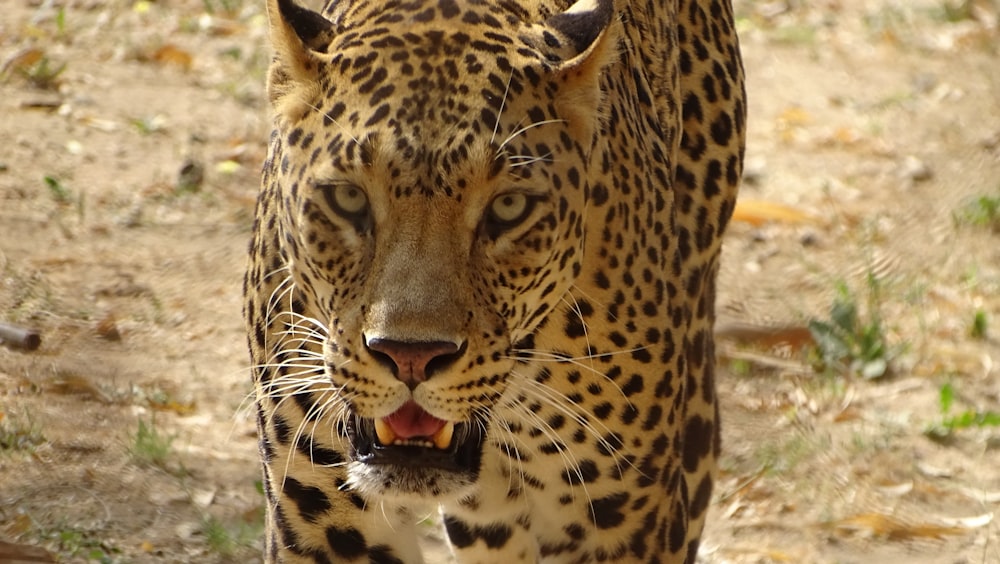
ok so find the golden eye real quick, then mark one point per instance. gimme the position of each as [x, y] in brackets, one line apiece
[349, 200]
[509, 209]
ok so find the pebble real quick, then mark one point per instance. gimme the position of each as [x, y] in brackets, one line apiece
[915, 169]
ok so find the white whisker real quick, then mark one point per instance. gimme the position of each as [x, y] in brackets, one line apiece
[524, 160]
[335, 122]
[503, 104]
[561, 403]
[526, 128]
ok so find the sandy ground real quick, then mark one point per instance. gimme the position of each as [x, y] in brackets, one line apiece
[132, 135]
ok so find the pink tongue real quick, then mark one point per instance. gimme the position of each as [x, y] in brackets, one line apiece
[412, 421]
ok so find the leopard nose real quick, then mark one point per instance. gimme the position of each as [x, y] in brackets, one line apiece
[414, 362]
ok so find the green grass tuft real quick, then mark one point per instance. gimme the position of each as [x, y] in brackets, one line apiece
[19, 433]
[983, 211]
[150, 446]
[850, 341]
[950, 423]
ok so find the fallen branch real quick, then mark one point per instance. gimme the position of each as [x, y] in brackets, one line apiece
[19, 337]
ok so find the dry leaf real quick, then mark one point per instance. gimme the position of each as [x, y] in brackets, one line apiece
[220, 26]
[180, 408]
[170, 54]
[794, 336]
[23, 553]
[779, 556]
[849, 413]
[896, 489]
[20, 525]
[794, 117]
[21, 60]
[107, 328]
[891, 528]
[72, 384]
[841, 137]
[756, 212]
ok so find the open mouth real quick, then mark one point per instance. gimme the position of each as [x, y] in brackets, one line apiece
[412, 437]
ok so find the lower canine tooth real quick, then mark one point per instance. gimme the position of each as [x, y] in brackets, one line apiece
[384, 432]
[442, 439]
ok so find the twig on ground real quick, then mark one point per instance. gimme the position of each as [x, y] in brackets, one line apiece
[19, 337]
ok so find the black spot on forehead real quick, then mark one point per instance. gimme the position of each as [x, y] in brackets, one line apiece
[449, 9]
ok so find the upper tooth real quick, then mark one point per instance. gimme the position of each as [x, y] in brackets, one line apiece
[384, 432]
[442, 439]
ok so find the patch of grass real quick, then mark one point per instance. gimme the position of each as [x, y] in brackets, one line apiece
[28, 294]
[953, 12]
[218, 537]
[980, 325]
[19, 433]
[886, 20]
[852, 342]
[60, 193]
[61, 22]
[225, 7]
[225, 540]
[983, 211]
[150, 446]
[795, 34]
[64, 196]
[150, 124]
[740, 367]
[43, 73]
[77, 544]
[783, 455]
[951, 423]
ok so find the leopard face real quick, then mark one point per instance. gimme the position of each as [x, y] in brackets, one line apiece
[482, 276]
[431, 208]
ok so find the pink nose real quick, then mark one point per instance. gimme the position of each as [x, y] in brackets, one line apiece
[413, 363]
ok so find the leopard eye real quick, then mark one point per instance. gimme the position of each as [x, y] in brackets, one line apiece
[349, 202]
[507, 210]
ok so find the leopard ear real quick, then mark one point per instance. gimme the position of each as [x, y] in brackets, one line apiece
[579, 32]
[579, 43]
[298, 36]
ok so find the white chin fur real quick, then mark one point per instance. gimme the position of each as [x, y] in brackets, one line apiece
[378, 483]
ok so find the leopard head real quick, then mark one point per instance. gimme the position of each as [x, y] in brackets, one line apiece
[430, 161]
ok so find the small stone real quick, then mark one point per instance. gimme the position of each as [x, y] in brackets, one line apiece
[188, 530]
[203, 498]
[809, 238]
[190, 176]
[915, 169]
[754, 170]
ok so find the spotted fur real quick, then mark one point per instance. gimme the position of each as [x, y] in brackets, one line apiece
[504, 214]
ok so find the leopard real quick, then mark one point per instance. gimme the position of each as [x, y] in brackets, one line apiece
[480, 291]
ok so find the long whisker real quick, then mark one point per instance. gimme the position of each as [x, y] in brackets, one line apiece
[326, 115]
[506, 436]
[524, 160]
[526, 128]
[575, 306]
[575, 361]
[558, 401]
[503, 104]
[570, 462]
[555, 356]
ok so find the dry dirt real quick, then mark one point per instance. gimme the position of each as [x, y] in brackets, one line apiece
[126, 188]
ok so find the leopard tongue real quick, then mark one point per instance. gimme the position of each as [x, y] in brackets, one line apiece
[410, 424]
